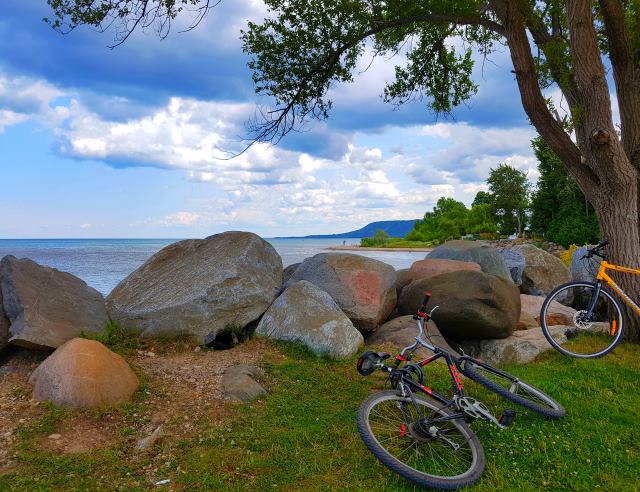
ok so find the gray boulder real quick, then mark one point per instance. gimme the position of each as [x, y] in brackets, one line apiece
[543, 272]
[47, 307]
[363, 288]
[239, 383]
[306, 314]
[488, 257]
[584, 269]
[199, 287]
[515, 262]
[471, 304]
[520, 347]
[4, 326]
[402, 331]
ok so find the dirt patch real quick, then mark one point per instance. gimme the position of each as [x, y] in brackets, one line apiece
[181, 388]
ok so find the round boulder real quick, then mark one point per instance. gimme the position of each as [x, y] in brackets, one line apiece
[306, 314]
[470, 304]
[200, 287]
[543, 272]
[364, 288]
[486, 256]
[83, 373]
[47, 307]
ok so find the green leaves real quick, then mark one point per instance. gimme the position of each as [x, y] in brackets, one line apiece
[305, 48]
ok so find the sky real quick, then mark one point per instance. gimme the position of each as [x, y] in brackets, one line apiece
[128, 142]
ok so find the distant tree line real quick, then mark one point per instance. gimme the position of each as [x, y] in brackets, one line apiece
[555, 209]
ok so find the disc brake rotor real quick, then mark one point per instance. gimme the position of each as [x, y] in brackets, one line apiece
[580, 320]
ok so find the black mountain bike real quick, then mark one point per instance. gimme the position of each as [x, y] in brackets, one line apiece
[427, 439]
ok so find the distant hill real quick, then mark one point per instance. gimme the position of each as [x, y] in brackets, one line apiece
[395, 228]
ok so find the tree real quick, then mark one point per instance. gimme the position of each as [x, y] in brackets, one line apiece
[307, 46]
[482, 198]
[447, 221]
[509, 190]
[481, 218]
[558, 207]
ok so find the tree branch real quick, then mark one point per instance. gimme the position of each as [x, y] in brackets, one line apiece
[532, 99]
[626, 74]
[275, 128]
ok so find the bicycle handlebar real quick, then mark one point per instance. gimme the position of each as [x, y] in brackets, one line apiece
[422, 312]
[596, 250]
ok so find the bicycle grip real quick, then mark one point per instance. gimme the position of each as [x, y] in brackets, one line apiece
[425, 301]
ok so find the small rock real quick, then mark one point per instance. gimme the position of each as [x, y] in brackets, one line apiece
[239, 383]
[197, 349]
[54, 437]
[147, 442]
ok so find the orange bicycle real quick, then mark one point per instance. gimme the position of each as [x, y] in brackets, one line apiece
[597, 323]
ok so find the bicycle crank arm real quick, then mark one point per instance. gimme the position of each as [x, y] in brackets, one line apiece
[478, 410]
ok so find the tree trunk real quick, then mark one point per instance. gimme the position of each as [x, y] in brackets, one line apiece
[617, 213]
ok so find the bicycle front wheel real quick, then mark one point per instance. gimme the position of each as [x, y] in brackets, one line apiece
[579, 324]
[420, 441]
[513, 389]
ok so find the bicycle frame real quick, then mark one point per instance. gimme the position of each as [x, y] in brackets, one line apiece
[602, 276]
[453, 363]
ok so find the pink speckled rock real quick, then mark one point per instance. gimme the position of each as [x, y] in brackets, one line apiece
[363, 288]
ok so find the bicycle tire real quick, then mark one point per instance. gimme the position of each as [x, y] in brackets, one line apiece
[546, 330]
[414, 475]
[544, 404]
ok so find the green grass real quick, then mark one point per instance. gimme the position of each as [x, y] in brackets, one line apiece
[402, 243]
[303, 436]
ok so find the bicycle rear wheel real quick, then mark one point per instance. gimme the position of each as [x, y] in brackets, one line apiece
[572, 328]
[424, 447]
[512, 388]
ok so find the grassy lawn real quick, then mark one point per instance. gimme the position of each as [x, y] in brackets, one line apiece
[303, 436]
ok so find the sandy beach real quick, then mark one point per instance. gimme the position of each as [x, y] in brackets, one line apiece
[360, 248]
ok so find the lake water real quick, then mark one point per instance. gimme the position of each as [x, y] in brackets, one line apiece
[103, 263]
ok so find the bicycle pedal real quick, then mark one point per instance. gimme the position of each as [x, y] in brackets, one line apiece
[507, 417]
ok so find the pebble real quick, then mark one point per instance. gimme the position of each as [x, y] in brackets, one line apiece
[197, 349]
[55, 437]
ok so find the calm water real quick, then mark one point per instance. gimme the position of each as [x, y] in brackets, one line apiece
[103, 263]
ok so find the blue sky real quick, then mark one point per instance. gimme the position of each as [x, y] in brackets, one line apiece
[97, 142]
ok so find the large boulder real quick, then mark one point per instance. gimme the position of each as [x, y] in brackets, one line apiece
[430, 267]
[471, 304]
[521, 347]
[306, 314]
[199, 287]
[4, 326]
[557, 314]
[83, 373]
[543, 272]
[363, 288]
[583, 269]
[47, 307]
[515, 262]
[486, 256]
[402, 331]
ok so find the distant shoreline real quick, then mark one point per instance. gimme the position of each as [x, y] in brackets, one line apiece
[365, 248]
